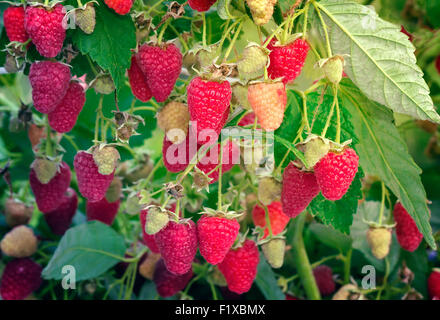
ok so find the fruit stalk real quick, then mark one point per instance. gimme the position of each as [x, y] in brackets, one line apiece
[302, 261]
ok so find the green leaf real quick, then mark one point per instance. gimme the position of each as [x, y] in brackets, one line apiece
[338, 214]
[91, 248]
[266, 281]
[110, 44]
[290, 146]
[383, 153]
[331, 237]
[380, 59]
[369, 211]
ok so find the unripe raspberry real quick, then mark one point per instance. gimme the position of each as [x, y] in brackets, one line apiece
[333, 68]
[268, 100]
[379, 240]
[252, 63]
[156, 220]
[147, 267]
[173, 119]
[273, 250]
[85, 18]
[17, 213]
[103, 84]
[106, 159]
[261, 10]
[45, 169]
[20, 242]
[269, 190]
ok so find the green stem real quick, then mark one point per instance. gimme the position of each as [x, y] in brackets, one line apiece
[70, 139]
[338, 117]
[154, 6]
[231, 45]
[144, 108]
[162, 31]
[324, 27]
[302, 261]
[204, 30]
[49, 150]
[98, 113]
[268, 223]
[220, 169]
[306, 12]
[347, 266]
[330, 115]
[182, 41]
[382, 203]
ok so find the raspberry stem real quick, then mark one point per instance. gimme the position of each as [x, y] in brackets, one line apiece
[231, 45]
[324, 27]
[204, 29]
[267, 217]
[382, 203]
[220, 169]
[338, 117]
[302, 261]
[48, 146]
[329, 117]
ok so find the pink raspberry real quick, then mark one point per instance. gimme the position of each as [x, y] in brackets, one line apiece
[138, 81]
[49, 196]
[50, 82]
[20, 278]
[46, 28]
[408, 235]
[167, 283]
[60, 219]
[13, 19]
[102, 210]
[91, 184]
[63, 117]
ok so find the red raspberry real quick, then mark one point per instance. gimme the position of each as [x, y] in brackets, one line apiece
[176, 157]
[91, 184]
[177, 244]
[20, 278]
[201, 5]
[231, 154]
[161, 65]
[167, 283]
[13, 19]
[49, 81]
[324, 279]
[299, 189]
[138, 81]
[46, 28]
[289, 297]
[287, 61]
[434, 284]
[407, 233]
[216, 236]
[49, 196]
[102, 210]
[59, 220]
[278, 220]
[63, 118]
[248, 119]
[335, 173]
[148, 238]
[208, 102]
[121, 7]
[239, 267]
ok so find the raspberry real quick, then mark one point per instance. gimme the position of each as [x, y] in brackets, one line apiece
[63, 117]
[239, 267]
[148, 239]
[407, 233]
[201, 5]
[208, 103]
[379, 240]
[138, 81]
[176, 157]
[289, 297]
[147, 266]
[335, 172]
[46, 28]
[324, 279]
[252, 63]
[167, 283]
[59, 220]
[50, 82]
[434, 284]
[20, 242]
[50, 195]
[248, 119]
[216, 236]
[278, 220]
[273, 251]
[231, 154]
[269, 190]
[299, 189]
[177, 243]
[13, 19]
[173, 119]
[91, 184]
[161, 65]
[261, 10]
[268, 100]
[17, 213]
[286, 61]
[121, 7]
[102, 210]
[20, 278]
[85, 18]
[45, 169]
[106, 158]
